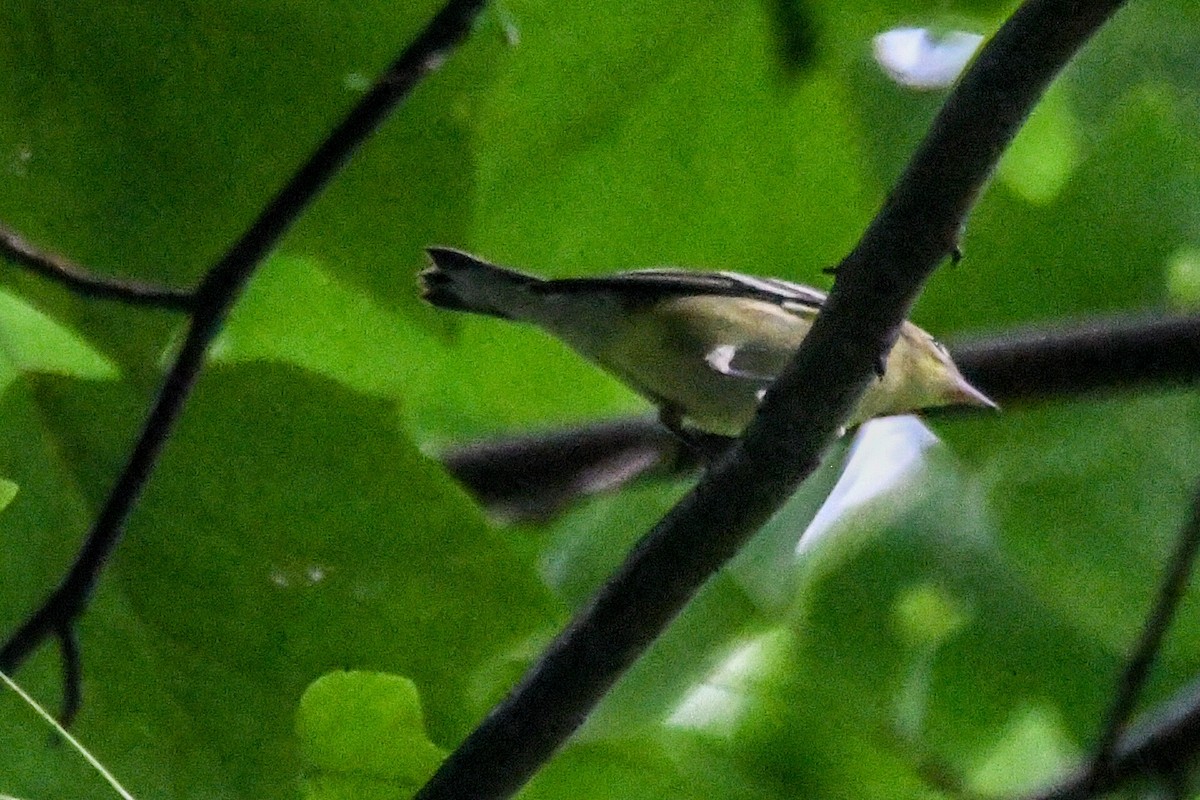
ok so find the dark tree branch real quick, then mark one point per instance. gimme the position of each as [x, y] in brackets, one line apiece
[214, 297]
[1168, 741]
[88, 284]
[1095, 356]
[533, 476]
[68, 645]
[874, 290]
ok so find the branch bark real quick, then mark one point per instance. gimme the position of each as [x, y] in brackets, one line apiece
[532, 477]
[1094, 356]
[874, 290]
[88, 284]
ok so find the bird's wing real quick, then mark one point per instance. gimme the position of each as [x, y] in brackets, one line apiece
[748, 362]
[649, 285]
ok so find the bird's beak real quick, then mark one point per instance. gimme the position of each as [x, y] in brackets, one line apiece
[964, 394]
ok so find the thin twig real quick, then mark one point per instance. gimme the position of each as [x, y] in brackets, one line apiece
[1171, 738]
[875, 288]
[68, 646]
[1137, 668]
[214, 297]
[88, 284]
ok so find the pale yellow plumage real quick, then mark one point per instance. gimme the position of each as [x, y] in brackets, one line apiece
[703, 346]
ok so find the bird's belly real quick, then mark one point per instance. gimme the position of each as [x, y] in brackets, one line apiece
[707, 400]
[668, 364]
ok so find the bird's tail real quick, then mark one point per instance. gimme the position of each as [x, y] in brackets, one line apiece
[462, 282]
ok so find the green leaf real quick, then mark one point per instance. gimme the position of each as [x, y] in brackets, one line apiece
[631, 768]
[37, 342]
[1111, 480]
[314, 537]
[1034, 750]
[8, 492]
[364, 735]
[297, 527]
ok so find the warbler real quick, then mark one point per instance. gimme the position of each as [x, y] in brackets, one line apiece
[702, 346]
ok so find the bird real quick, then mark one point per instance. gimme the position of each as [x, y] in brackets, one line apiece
[702, 346]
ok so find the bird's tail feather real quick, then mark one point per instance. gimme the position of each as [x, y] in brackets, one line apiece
[461, 282]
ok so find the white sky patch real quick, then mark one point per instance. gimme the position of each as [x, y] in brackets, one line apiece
[887, 455]
[916, 59]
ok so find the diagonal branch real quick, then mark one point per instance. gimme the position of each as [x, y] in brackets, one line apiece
[875, 288]
[214, 297]
[88, 284]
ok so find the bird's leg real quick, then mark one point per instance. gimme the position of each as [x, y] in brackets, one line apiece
[708, 446]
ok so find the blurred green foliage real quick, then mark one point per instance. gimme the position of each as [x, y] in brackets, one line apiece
[298, 526]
